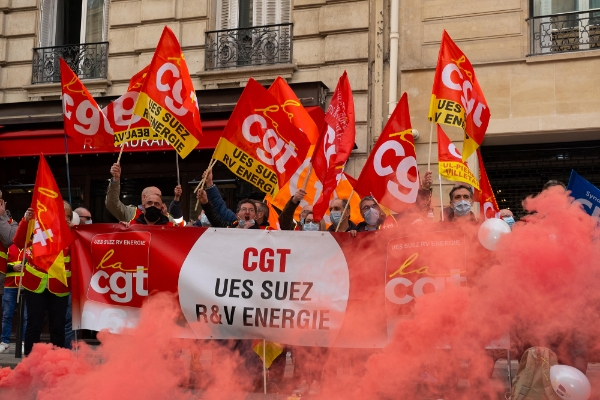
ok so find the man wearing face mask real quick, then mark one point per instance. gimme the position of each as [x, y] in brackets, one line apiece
[507, 216]
[152, 213]
[309, 224]
[286, 218]
[372, 214]
[461, 200]
[202, 221]
[336, 209]
[85, 217]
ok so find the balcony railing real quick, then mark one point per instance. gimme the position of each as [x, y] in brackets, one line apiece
[257, 45]
[88, 61]
[558, 33]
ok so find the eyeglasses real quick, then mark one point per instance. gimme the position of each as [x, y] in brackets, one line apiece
[85, 217]
[247, 209]
[366, 208]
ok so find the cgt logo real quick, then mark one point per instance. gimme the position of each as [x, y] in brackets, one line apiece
[121, 263]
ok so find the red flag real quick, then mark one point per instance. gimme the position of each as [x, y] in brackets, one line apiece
[296, 112]
[51, 234]
[167, 98]
[450, 163]
[456, 97]
[335, 143]
[485, 196]
[83, 119]
[390, 173]
[259, 144]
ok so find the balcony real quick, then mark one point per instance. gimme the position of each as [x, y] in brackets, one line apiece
[566, 32]
[88, 61]
[254, 46]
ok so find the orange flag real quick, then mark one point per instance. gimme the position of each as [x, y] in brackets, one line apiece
[51, 233]
[167, 98]
[273, 216]
[487, 201]
[450, 163]
[83, 119]
[456, 98]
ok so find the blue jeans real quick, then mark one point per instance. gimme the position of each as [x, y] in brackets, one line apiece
[9, 302]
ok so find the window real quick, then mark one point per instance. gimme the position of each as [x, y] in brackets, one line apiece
[233, 14]
[67, 22]
[564, 25]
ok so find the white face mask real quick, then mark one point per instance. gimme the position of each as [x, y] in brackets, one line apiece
[335, 216]
[310, 226]
[88, 221]
[462, 207]
[372, 216]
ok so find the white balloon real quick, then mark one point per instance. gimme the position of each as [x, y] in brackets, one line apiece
[75, 220]
[570, 383]
[491, 231]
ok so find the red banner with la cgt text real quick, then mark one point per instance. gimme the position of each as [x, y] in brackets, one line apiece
[298, 288]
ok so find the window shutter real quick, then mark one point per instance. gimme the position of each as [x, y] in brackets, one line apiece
[285, 11]
[105, 22]
[227, 14]
[47, 23]
[271, 15]
[271, 12]
[258, 17]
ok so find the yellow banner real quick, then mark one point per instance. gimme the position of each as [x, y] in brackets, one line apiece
[165, 125]
[459, 172]
[246, 167]
[144, 133]
[446, 112]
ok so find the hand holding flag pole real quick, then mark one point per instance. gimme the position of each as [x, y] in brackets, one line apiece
[345, 209]
[203, 180]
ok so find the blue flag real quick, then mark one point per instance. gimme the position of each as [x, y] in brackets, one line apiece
[585, 193]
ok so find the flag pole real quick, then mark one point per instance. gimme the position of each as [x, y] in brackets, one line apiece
[201, 183]
[345, 208]
[430, 143]
[441, 200]
[68, 173]
[264, 357]
[177, 165]
[310, 168]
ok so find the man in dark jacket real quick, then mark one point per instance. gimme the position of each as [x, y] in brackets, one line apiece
[245, 213]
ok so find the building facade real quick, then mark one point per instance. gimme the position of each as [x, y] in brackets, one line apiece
[536, 62]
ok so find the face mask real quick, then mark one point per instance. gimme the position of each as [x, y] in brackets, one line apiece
[242, 222]
[509, 220]
[88, 222]
[302, 221]
[335, 216]
[462, 208]
[372, 216]
[204, 220]
[311, 226]
[152, 214]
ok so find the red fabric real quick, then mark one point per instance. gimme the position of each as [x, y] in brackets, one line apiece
[269, 128]
[390, 174]
[169, 84]
[335, 143]
[486, 198]
[291, 105]
[83, 119]
[51, 233]
[455, 81]
[451, 166]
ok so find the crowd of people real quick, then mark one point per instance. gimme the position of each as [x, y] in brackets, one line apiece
[44, 294]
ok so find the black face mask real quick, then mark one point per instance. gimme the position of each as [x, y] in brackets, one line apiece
[152, 214]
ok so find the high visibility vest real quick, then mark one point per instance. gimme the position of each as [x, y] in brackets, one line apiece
[4, 255]
[36, 279]
[12, 278]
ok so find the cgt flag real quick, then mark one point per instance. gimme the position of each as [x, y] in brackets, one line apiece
[456, 98]
[82, 117]
[335, 143]
[259, 144]
[390, 174]
[487, 201]
[167, 98]
[450, 164]
[51, 233]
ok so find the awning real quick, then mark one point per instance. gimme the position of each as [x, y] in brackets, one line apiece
[51, 142]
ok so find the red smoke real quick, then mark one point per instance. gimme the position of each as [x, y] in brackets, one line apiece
[541, 286]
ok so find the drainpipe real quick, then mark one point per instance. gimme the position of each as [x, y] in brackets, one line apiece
[394, 36]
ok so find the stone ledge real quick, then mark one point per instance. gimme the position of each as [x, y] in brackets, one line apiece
[572, 55]
[40, 91]
[239, 75]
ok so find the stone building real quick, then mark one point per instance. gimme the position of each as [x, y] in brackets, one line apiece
[536, 61]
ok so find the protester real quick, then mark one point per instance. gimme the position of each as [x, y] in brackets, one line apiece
[309, 224]
[507, 216]
[9, 299]
[151, 213]
[128, 213]
[245, 216]
[286, 218]
[461, 201]
[340, 215]
[262, 215]
[553, 182]
[214, 196]
[85, 217]
[43, 293]
[202, 220]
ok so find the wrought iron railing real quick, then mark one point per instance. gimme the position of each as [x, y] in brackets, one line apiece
[257, 45]
[88, 61]
[571, 31]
